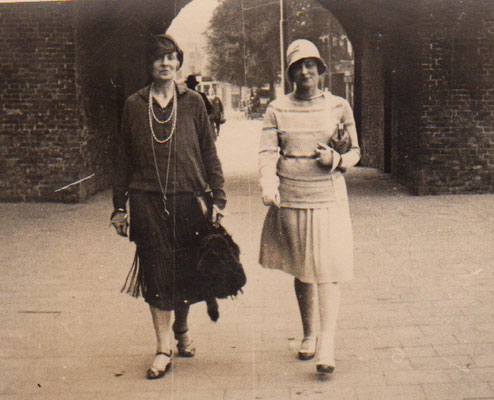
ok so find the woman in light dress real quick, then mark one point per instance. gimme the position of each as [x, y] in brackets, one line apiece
[307, 231]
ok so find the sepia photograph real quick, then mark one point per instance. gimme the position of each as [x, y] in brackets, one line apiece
[247, 200]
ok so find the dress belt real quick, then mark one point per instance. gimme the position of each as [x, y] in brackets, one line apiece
[311, 157]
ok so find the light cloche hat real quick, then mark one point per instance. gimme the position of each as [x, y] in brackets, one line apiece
[303, 48]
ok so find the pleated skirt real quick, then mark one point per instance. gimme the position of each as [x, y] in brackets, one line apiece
[315, 245]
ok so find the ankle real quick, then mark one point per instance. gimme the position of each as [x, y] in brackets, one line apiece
[167, 353]
[308, 345]
[181, 335]
[325, 354]
[180, 329]
[163, 350]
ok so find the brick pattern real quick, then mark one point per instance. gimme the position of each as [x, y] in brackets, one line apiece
[457, 116]
[40, 142]
[440, 56]
[65, 75]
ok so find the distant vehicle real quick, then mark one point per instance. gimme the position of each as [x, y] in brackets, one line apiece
[258, 102]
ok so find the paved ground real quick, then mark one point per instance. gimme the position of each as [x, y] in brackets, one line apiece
[416, 323]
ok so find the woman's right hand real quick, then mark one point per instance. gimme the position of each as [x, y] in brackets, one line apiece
[271, 197]
[120, 222]
[324, 154]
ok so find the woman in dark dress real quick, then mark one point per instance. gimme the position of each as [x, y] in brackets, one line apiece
[166, 165]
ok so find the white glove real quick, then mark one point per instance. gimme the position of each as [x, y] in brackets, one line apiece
[327, 156]
[324, 154]
[271, 197]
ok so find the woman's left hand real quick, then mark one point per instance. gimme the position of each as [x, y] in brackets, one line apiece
[120, 222]
[324, 154]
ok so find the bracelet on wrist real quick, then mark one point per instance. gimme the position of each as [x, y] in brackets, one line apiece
[118, 210]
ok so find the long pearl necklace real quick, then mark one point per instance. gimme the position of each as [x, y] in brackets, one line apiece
[152, 116]
[154, 138]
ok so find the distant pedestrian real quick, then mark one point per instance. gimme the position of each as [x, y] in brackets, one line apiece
[192, 83]
[165, 164]
[307, 231]
[218, 113]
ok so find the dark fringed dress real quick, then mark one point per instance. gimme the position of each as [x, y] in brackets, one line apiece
[187, 166]
[164, 268]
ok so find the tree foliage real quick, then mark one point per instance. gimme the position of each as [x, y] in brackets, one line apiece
[246, 51]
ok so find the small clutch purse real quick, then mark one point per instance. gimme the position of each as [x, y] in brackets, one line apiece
[340, 140]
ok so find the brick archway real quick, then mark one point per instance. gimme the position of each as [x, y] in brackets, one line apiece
[423, 91]
[423, 97]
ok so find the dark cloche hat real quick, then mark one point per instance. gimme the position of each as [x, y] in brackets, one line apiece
[159, 45]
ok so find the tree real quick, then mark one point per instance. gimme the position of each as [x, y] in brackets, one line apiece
[253, 60]
[258, 63]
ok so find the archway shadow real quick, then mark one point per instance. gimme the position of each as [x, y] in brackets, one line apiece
[370, 182]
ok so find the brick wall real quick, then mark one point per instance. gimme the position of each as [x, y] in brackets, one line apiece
[426, 79]
[41, 148]
[65, 71]
[456, 152]
[442, 104]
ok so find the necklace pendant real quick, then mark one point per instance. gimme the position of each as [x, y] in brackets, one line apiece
[166, 213]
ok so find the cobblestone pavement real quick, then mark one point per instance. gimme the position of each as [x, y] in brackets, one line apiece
[416, 323]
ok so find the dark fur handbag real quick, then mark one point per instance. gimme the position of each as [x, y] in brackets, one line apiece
[219, 269]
